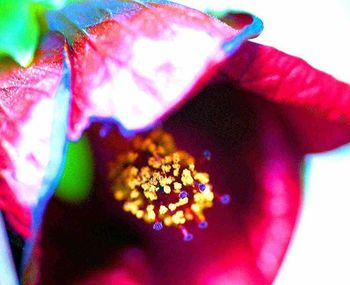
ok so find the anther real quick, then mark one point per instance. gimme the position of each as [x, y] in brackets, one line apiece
[225, 199]
[203, 225]
[202, 187]
[183, 194]
[157, 226]
[186, 235]
[207, 154]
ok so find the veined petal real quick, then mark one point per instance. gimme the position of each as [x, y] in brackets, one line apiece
[28, 111]
[134, 60]
[315, 105]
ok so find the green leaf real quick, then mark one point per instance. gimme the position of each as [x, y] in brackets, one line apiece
[19, 30]
[77, 176]
[21, 22]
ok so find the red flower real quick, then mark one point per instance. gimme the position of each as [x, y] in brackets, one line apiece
[258, 110]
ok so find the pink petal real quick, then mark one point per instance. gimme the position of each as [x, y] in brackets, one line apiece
[314, 104]
[131, 268]
[279, 178]
[27, 102]
[137, 64]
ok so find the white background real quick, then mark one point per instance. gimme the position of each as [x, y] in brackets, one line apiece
[319, 32]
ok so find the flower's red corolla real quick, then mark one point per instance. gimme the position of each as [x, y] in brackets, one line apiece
[255, 158]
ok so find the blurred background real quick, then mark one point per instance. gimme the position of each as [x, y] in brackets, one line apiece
[319, 32]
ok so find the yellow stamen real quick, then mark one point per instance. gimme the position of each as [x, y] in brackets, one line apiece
[159, 184]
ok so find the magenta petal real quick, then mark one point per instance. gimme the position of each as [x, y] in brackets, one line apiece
[27, 110]
[141, 61]
[313, 103]
[279, 177]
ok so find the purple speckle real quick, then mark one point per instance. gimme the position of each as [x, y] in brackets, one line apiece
[225, 199]
[188, 237]
[207, 154]
[203, 225]
[158, 226]
[202, 187]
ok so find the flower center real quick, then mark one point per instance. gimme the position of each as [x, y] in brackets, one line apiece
[160, 184]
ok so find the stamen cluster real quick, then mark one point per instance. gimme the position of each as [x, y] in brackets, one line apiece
[160, 184]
